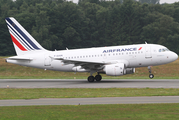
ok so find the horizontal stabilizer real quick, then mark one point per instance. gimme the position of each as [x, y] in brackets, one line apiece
[19, 58]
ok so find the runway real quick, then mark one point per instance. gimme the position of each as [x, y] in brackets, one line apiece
[82, 83]
[78, 83]
[91, 101]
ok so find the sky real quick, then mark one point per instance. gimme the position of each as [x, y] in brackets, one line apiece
[161, 1]
[168, 1]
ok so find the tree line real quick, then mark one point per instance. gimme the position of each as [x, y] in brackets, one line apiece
[57, 24]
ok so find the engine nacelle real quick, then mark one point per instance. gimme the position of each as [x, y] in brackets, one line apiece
[79, 69]
[115, 69]
[130, 70]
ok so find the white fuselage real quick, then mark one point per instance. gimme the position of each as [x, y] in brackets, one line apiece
[133, 56]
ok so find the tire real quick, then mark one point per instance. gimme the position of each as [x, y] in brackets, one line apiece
[91, 79]
[98, 78]
[151, 76]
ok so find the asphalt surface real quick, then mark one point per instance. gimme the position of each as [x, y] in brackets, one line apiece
[91, 101]
[76, 83]
[58, 83]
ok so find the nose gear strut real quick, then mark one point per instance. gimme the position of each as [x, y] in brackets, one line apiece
[150, 72]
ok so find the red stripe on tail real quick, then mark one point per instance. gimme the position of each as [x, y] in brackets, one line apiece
[17, 43]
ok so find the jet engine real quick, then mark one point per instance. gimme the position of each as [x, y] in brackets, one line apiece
[130, 70]
[118, 69]
[115, 69]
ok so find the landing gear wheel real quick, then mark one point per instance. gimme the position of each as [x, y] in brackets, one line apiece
[151, 76]
[150, 72]
[98, 78]
[91, 79]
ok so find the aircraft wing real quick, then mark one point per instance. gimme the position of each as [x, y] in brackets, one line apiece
[84, 64]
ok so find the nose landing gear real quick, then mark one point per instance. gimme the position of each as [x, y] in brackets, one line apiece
[150, 72]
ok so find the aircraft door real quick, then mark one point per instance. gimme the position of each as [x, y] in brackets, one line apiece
[47, 61]
[148, 53]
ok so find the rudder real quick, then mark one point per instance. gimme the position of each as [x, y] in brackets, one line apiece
[23, 42]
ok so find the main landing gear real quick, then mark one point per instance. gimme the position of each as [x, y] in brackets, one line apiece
[150, 72]
[92, 78]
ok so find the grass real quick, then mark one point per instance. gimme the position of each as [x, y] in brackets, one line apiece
[11, 71]
[88, 112]
[92, 112]
[35, 93]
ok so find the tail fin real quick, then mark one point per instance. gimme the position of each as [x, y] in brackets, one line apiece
[23, 42]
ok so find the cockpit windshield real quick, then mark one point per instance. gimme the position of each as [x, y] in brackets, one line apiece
[163, 50]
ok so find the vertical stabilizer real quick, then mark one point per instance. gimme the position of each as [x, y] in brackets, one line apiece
[23, 42]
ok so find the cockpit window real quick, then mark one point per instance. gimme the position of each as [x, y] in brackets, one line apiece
[163, 50]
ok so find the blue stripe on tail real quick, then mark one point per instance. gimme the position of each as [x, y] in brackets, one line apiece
[16, 34]
[22, 34]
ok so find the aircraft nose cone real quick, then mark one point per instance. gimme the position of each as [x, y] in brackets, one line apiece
[174, 56]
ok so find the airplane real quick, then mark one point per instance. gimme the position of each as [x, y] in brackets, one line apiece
[112, 61]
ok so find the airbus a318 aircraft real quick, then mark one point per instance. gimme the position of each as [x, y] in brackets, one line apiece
[113, 61]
